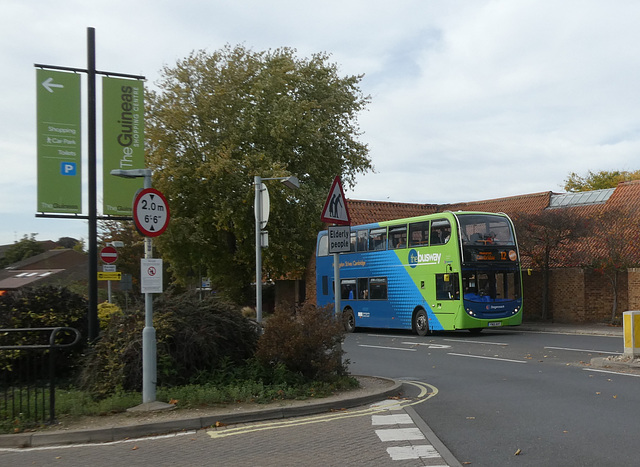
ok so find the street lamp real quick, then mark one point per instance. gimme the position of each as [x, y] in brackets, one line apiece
[261, 221]
[149, 358]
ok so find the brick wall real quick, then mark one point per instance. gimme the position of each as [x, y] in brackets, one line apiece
[633, 289]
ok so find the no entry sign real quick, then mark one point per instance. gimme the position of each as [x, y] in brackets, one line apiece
[109, 254]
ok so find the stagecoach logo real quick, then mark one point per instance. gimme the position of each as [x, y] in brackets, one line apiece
[416, 258]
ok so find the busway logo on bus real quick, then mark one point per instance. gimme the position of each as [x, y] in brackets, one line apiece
[416, 258]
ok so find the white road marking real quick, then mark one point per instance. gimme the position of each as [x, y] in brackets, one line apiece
[387, 348]
[413, 452]
[399, 434]
[95, 445]
[486, 358]
[611, 372]
[392, 337]
[582, 350]
[475, 342]
[394, 419]
[431, 346]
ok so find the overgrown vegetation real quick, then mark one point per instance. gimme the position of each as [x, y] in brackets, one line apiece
[46, 306]
[208, 353]
[307, 342]
[193, 336]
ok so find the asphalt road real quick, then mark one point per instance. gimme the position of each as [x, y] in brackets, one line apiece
[512, 397]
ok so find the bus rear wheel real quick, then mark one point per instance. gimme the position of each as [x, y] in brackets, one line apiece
[349, 320]
[420, 323]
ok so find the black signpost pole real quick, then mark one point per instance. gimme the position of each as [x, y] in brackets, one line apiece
[93, 220]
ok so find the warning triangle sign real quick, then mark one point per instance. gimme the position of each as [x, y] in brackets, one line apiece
[335, 209]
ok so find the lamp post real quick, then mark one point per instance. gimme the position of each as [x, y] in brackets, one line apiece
[261, 221]
[149, 358]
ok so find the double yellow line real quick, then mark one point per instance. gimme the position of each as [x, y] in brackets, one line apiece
[427, 391]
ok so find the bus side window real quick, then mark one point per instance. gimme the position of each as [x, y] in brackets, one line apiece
[325, 285]
[352, 238]
[397, 237]
[440, 232]
[377, 239]
[363, 288]
[419, 234]
[323, 246]
[363, 240]
[348, 289]
[378, 288]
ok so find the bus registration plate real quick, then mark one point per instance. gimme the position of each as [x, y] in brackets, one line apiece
[495, 323]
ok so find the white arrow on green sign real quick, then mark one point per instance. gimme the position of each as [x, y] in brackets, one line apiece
[59, 142]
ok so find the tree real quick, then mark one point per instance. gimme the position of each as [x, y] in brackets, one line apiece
[598, 181]
[615, 248]
[67, 242]
[27, 247]
[544, 238]
[220, 119]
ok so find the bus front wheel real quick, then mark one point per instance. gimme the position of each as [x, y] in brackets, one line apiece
[348, 320]
[420, 323]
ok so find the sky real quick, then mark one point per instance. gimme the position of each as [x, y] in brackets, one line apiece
[470, 99]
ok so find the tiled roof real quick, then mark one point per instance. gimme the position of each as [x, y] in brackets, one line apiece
[15, 279]
[625, 197]
[366, 212]
[530, 203]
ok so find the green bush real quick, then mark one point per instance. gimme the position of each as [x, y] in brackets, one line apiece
[45, 306]
[306, 341]
[193, 337]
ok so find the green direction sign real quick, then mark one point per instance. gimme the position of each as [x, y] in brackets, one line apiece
[122, 142]
[59, 142]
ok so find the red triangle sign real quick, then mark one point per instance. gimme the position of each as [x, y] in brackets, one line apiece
[335, 209]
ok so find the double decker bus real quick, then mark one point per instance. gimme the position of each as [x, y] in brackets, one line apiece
[438, 272]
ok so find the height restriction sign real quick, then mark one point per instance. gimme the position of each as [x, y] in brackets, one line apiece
[150, 212]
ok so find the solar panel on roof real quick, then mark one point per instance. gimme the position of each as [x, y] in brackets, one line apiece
[580, 199]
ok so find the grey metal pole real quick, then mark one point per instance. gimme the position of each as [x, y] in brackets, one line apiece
[258, 210]
[92, 318]
[336, 279]
[149, 359]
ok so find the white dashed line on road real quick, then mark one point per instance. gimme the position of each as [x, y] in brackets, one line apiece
[410, 435]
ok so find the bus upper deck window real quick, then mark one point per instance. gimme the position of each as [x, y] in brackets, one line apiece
[419, 234]
[377, 239]
[440, 232]
[397, 237]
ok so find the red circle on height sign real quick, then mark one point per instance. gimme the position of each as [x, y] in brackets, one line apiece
[109, 254]
[150, 212]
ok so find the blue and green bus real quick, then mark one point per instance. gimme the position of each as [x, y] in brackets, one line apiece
[444, 271]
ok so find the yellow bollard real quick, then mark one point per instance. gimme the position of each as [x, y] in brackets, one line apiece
[631, 331]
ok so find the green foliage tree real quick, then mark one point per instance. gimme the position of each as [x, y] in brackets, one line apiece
[220, 119]
[545, 238]
[68, 242]
[598, 180]
[27, 247]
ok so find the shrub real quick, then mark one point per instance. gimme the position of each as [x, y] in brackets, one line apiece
[193, 336]
[307, 341]
[106, 311]
[45, 306]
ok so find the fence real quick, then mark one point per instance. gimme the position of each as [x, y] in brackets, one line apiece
[27, 373]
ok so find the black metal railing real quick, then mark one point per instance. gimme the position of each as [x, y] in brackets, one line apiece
[28, 373]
